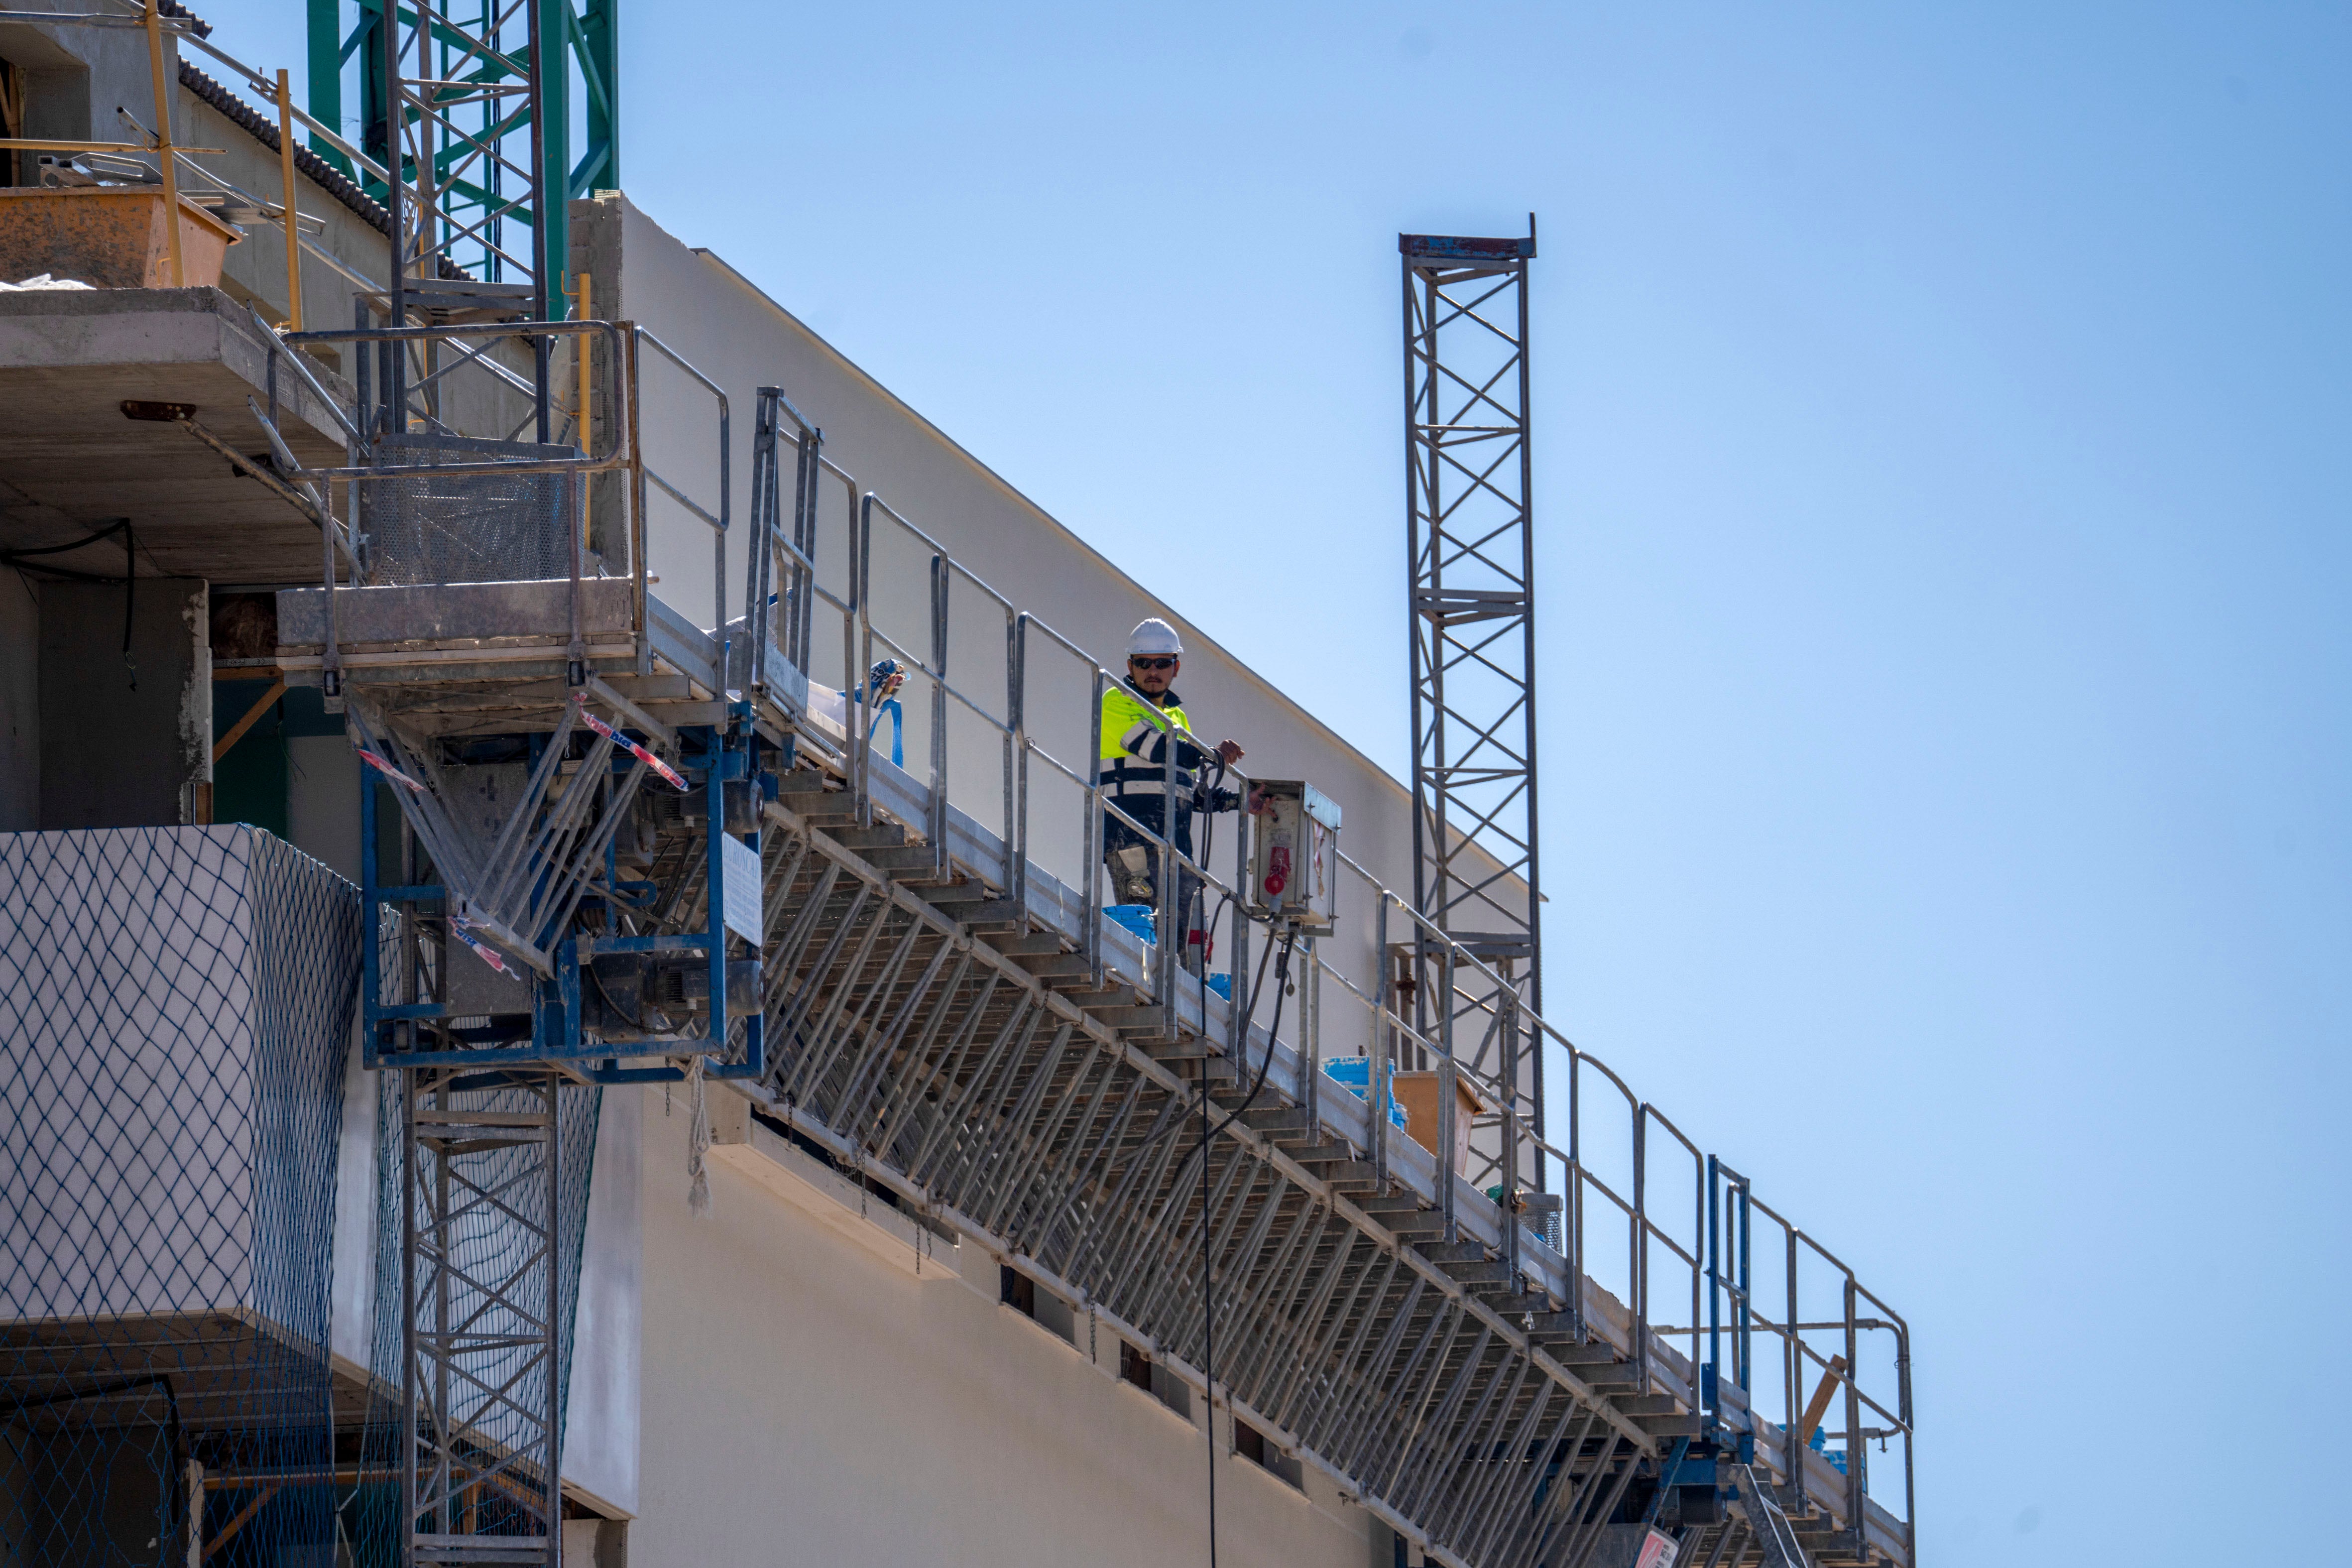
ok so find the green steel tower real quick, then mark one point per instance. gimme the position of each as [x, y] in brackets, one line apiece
[504, 116]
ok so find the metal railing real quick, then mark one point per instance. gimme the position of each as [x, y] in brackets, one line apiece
[1627, 1229]
[364, 418]
[1858, 1316]
[642, 474]
[1628, 1224]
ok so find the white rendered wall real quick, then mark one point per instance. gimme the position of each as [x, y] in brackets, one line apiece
[602, 1412]
[322, 801]
[806, 1401]
[352, 1304]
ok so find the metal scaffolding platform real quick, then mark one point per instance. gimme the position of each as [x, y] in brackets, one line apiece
[608, 841]
[946, 1016]
[936, 999]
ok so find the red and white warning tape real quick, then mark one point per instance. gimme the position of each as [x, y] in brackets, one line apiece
[394, 775]
[482, 950]
[640, 753]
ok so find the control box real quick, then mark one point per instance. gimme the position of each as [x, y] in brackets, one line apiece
[1293, 867]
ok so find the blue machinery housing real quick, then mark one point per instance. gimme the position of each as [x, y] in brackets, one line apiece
[552, 1033]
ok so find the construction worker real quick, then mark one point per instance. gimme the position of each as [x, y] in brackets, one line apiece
[1142, 766]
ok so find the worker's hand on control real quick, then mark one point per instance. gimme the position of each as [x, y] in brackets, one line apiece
[1228, 752]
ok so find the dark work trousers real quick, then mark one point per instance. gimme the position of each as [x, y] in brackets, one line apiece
[1192, 907]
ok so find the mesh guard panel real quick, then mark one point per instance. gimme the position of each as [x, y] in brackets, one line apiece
[175, 1015]
[468, 528]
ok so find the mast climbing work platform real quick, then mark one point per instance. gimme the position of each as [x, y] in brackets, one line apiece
[532, 927]
[926, 987]
[609, 840]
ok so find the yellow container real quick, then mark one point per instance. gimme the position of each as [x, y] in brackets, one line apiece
[108, 237]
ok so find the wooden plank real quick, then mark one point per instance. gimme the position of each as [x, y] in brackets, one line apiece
[1818, 1405]
[252, 717]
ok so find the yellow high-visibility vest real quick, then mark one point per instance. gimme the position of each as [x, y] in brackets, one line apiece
[1133, 758]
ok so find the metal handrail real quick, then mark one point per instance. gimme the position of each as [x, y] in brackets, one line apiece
[1644, 1231]
[1656, 1249]
[641, 472]
[615, 457]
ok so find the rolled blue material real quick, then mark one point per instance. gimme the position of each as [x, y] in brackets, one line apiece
[1354, 1074]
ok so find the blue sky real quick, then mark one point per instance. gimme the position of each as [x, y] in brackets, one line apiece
[1941, 476]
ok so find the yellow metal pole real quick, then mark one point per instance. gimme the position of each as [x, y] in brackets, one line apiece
[286, 185]
[581, 350]
[163, 154]
[43, 144]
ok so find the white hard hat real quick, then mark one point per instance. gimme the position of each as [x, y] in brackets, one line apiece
[1153, 637]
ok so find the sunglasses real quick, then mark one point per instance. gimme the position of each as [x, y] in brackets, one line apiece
[1151, 664]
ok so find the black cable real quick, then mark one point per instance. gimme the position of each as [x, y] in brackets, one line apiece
[131, 585]
[598, 980]
[1207, 1323]
[1208, 1277]
[1175, 942]
[1281, 988]
[130, 578]
[1257, 989]
[109, 532]
[1203, 792]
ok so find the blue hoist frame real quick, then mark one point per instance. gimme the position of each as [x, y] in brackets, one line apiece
[711, 756]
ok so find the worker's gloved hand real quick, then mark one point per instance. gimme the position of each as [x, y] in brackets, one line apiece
[1220, 800]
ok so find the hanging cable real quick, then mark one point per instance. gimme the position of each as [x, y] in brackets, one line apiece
[1209, 1323]
[1257, 989]
[18, 556]
[24, 559]
[1208, 1278]
[1174, 944]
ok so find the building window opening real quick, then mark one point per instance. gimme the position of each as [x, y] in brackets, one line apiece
[1251, 1443]
[1045, 1309]
[1137, 1368]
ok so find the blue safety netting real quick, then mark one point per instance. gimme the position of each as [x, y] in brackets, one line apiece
[176, 1018]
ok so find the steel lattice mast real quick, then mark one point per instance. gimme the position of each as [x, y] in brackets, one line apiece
[1469, 529]
[466, 110]
[494, 97]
